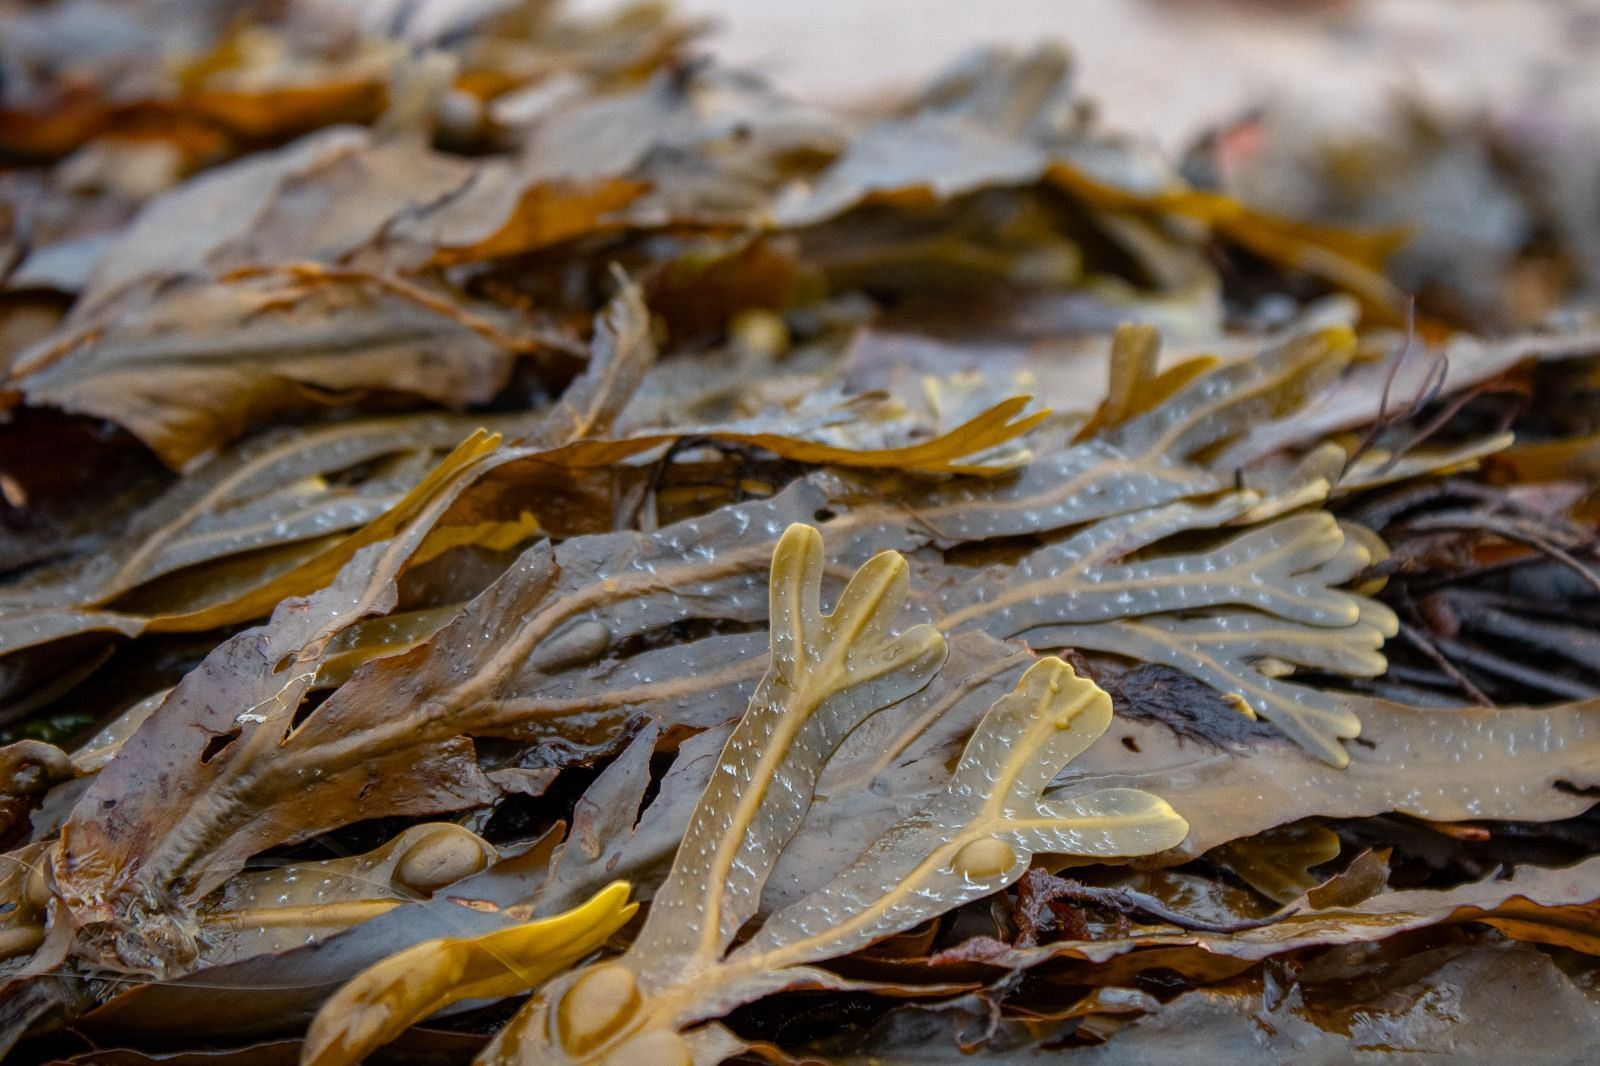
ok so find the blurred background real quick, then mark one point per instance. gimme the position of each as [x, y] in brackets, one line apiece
[1168, 69]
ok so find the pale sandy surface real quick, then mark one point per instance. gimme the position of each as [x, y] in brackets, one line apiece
[1169, 69]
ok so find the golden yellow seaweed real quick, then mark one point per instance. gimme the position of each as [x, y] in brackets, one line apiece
[386, 999]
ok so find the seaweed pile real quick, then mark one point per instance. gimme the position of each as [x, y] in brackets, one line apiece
[522, 545]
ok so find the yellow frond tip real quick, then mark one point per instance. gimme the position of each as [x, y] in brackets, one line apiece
[1240, 704]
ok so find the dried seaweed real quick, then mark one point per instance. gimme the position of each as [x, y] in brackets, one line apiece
[1541, 906]
[429, 440]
